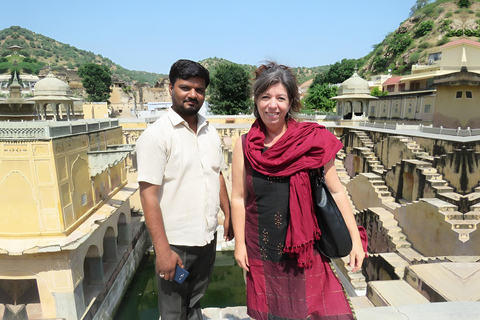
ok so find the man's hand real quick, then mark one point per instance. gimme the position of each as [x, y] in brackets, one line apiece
[166, 263]
[227, 230]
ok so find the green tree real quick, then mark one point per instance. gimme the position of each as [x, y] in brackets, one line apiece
[229, 90]
[318, 97]
[398, 43]
[419, 4]
[338, 72]
[378, 93]
[464, 3]
[96, 80]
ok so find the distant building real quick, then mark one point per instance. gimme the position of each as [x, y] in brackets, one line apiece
[353, 98]
[445, 92]
[68, 242]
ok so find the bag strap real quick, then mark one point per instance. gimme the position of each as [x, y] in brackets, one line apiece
[321, 173]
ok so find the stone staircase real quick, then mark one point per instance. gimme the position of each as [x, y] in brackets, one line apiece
[394, 232]
[364, 138]
[417, 150]
[371, 161]
[435, 180]
[380, 188]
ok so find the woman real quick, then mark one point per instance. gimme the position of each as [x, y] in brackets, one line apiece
[272, 210]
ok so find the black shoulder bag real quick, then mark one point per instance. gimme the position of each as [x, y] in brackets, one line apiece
[335, 241]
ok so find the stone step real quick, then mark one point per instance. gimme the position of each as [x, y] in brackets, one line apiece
[472, 215]
[380, 188]
[393, 293]
[397, 236]
[409, 254]
[442, 189]
[387, 199]
[389, 222]
[361, 302]
[433, 176]
[396, 261]
[437, 182]
[395, 229]
[402, 244]
[429, 170]
[425, 157]
[379, 172]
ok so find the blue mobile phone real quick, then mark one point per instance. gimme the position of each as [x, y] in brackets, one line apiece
[180, 274]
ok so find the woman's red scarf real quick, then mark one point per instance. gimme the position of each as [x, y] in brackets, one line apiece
[304, 146]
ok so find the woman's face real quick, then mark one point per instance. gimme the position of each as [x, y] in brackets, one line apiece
[273, 105]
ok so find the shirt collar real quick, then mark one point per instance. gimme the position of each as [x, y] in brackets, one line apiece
[176, 119]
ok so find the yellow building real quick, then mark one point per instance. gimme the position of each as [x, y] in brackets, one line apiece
[68, 242]
[95, 110]
[443, 93]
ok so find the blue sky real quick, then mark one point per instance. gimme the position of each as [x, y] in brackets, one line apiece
[151, 35]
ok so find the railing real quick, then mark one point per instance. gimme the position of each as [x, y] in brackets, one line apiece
[426, 129]
[51, 129]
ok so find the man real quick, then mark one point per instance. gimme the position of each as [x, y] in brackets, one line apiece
[181, 189]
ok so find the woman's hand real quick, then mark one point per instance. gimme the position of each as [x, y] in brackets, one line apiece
[241, 255]
[357, 255]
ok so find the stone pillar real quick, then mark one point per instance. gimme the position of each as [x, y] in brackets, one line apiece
[70, 305]
[67, 109]
[110, 249]
[95, 265]
[55, 111]
[123, 233]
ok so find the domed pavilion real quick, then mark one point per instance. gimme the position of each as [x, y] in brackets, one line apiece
[53, 99]
[353, 97]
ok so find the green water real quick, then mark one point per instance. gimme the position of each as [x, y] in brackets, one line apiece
[227, 289]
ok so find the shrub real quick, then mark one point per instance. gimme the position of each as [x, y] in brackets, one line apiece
[428, 9]
[398, 43]
[442, 41]
[414, 57]
[448, 14]
[424, 45]
[424, 28]
[464, 3]
[446, 25]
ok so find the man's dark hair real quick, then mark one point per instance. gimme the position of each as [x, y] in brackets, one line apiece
[185, 69]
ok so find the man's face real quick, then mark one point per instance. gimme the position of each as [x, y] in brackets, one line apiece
[188, 95]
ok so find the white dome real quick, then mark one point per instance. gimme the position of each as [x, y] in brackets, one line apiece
[354, 85]
[51, 86]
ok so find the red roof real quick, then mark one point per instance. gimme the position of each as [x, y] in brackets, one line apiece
[461, 41]
[392, 80]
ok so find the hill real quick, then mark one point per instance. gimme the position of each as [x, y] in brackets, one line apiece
[430, 27]
[303, 74]
[40, 52]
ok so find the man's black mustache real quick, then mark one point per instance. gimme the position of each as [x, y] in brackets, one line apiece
[191, 100]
